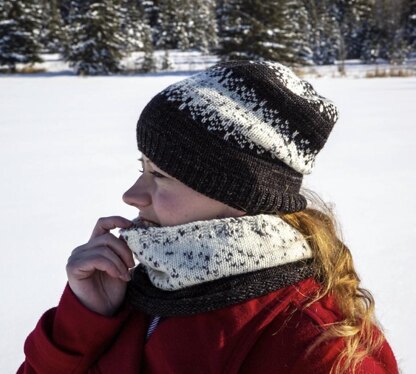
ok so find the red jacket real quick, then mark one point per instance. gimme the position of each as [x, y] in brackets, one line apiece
[263, 335]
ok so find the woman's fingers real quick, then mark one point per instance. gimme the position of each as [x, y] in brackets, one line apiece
[117, 245]
[86, 261]
[105, 224]
[98, 270]
[103, 252]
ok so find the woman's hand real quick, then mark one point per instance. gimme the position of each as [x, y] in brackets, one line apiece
[98, 271]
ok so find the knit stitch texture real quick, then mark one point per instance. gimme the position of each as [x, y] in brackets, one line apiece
[177, 257]
[213, 295]
[241, 132]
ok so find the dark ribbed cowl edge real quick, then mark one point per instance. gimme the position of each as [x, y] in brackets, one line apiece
[213, 295]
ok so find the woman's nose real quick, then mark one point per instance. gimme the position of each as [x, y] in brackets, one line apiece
[138, 195]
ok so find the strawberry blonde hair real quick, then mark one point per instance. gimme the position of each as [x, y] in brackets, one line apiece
[334, 268]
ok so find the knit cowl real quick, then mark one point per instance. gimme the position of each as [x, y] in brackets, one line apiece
[206, 265]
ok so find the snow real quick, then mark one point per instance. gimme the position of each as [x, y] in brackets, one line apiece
[67, 146]
[191, 61]
[182, 62]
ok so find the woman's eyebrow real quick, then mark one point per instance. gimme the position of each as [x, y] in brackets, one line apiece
[142, 160]
[147, 162]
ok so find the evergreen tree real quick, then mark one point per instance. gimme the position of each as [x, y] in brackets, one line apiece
[19, 32]
[298, 31]
[409, 24]
[363, 37]
[202, 27]
[401, 45]
[187, 24]
[172, 25]
[52, 35]
[390, 30]
[354, 20]
[371, 42]
[94, 36]
[274, 30]
[65, 9]
[134, 26]
[399, 49]
[378, 38]
[147, 62]
[232, 26]
[325, 33]
[151, 13]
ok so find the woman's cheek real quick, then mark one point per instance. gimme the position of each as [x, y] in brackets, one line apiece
[169, 205]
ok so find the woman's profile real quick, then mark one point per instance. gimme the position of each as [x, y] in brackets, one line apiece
[240, 269]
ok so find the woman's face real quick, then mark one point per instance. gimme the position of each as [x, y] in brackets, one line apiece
[166, 201]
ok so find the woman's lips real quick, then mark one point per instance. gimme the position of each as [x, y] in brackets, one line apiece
[142, 222]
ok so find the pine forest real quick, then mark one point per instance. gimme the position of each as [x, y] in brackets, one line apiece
[94, 36]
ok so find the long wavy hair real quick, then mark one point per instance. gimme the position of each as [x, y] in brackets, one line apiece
[335, 271]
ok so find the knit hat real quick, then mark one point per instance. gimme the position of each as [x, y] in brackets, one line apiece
[241, 132]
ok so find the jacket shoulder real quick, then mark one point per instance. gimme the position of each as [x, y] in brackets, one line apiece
[284, 345]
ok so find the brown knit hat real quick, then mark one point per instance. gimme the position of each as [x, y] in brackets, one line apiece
[241, 132]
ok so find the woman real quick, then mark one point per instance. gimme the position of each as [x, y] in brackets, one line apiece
[236, 273]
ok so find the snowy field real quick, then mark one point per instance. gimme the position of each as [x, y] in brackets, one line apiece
[68, 152]
[53, 65]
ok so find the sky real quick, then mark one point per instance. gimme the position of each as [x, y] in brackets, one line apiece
[68, 152]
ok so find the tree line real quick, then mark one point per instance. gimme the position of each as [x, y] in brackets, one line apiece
[94, 36]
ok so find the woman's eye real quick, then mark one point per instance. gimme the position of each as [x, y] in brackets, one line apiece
[156, 174]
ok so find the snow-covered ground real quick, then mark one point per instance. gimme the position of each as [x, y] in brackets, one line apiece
[68, 152]
[191, 61]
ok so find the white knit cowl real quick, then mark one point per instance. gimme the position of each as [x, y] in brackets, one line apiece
[180, 256]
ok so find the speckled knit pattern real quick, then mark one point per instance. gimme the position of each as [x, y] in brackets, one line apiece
[226, 105]
[185, 255]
